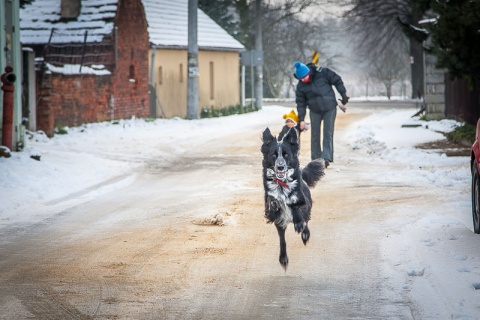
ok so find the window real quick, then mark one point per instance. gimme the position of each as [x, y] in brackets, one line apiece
[131, 74]
[212, 82]
[181, 72]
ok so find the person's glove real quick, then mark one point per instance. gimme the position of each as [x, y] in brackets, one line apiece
[345, 99]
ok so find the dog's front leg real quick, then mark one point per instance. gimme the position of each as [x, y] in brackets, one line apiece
[272, 208]
[283, 246]
[298, 220]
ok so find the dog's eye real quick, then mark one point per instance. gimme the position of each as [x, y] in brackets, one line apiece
[285, 155]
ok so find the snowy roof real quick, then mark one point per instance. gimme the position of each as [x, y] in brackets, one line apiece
[168, 27]
[167, 24]
[67, 69]
[38, 18]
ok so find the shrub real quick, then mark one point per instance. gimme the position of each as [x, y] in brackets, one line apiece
[61, 130]
[211, 112]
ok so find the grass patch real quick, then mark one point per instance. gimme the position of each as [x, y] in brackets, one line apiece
[464, 134]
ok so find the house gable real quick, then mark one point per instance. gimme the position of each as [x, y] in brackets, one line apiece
[218, 60]
[168, 27]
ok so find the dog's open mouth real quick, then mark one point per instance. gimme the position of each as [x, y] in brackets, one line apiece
[280, 175]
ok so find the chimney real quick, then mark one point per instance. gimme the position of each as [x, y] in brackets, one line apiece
[70, 9]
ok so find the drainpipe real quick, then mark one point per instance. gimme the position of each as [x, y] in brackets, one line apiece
[151, 86]
[8, 78]
[152, 66]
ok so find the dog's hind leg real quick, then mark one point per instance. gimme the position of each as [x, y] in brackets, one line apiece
[283, 246]
[305, 234]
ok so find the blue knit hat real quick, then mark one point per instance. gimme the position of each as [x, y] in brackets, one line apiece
[301, 70]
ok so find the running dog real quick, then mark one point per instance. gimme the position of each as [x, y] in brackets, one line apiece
[287, 193]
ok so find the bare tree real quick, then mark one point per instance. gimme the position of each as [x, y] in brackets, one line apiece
[291, 39]
[379, 24]
[390, 67]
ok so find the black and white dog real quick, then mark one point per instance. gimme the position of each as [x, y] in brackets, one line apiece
[287, 193]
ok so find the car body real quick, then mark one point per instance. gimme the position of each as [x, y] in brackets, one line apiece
[475, 166]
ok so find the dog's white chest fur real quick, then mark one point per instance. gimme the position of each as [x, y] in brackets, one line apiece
[284, 198]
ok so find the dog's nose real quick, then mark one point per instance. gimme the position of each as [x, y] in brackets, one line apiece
[280, 164]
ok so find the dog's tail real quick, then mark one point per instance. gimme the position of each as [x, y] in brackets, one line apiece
[313, 172]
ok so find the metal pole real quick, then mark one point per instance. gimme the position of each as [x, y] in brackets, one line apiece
[243, 86]
[192, 92]
[252, 74]
[259, 49]
[152, 66]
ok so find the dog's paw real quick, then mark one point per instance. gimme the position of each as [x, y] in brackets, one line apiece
[299, 226]
[273, 205]
[283, 261]
[305, 235]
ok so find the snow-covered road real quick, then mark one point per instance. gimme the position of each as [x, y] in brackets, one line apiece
[115, 222]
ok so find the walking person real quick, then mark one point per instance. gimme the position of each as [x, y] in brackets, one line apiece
[315, 91]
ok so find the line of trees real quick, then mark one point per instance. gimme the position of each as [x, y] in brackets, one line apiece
[291, 34]
[448, 29]
[390, 37]
[454, 34]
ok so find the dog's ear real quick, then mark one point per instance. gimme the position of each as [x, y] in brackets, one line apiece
[267, 139]
[267, 136]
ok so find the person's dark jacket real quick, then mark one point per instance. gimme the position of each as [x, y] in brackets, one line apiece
[318, 94]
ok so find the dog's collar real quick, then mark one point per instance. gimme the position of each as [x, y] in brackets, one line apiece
[281, 183]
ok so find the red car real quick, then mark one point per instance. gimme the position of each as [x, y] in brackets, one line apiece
[475, 164]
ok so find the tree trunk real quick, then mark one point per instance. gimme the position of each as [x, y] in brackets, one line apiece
[416, 52]
[417, 63]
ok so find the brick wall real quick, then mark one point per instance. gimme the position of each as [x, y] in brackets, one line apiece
[83, 99]
[70, 100]
[130, 77]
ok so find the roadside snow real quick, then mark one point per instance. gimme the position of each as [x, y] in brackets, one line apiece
[430, 254]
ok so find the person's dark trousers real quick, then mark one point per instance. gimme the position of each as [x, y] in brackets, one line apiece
[328, 119]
